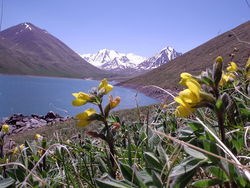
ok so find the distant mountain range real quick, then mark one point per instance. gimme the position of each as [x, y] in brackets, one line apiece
[29, 50]
[232, 46]
[111, 60]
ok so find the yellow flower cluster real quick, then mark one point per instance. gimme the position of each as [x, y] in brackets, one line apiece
[83, 98]
[84, 118]
[230, 75]
[19, 148]
[189, 97]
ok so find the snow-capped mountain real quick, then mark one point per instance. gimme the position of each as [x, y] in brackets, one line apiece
[112, 60]
[115, 61]
[165, 55]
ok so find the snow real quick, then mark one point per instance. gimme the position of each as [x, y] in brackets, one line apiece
[27, 26]
[110, 59]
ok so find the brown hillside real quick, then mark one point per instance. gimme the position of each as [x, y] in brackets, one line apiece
[28, 50]
[236, 41]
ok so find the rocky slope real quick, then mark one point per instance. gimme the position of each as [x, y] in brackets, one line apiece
[232, 45]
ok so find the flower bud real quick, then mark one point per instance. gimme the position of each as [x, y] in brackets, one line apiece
[38, 137]
[5, 128]
[217, 70]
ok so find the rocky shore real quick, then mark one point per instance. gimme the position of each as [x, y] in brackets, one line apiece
[19, 122]
[153, 92]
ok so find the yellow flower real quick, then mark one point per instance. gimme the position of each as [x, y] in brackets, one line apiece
[248, 64]
[15, 150]
[81, 98]
[104, 85]
[191, 83]
[232, 67]
[5, 128]
[226, 77]
[38, 137]
[21, 147]
[188, 98]
[115, 102]
[183, 111]
[248, 75]
[84, 117]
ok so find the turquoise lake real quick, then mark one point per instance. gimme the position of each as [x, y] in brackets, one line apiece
[38, 95]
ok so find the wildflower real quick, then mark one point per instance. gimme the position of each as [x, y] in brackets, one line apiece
[115, 102]
[84, 117]
[105, 86]
[81, 98]
[40, 152]
[38, 137]
[232, 67]
[191, 83]
[248, 64]
[21, 147]
[188, 98]
[5, 128]
[226, 77]
[183, 111]
[15, 150]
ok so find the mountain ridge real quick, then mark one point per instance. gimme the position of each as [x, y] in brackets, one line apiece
[26, 49]
[112, 60]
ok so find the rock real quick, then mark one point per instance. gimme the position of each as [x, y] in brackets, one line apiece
[26, 119]
[20, 124]
[34, 121]
[51, 115]
[36, 116]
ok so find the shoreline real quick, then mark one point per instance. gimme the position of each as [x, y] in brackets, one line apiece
[151, 91]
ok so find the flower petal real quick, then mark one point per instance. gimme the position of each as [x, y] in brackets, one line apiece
[78, 102]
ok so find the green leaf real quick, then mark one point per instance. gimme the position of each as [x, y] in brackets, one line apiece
[112, 184]
[196, 126]
[102, 165]
[188, 164]
[127, 172]
[194, 153]
[207, 182]
[157, 179]
[211, 147]
[6, 182]
[218, 172]
[182, 180]
[152, 161]
[154, 140]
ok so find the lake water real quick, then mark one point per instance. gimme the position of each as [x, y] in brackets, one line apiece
[38, 95]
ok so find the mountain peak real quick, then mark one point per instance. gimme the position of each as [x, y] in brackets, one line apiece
[112, 60]
[168, 48]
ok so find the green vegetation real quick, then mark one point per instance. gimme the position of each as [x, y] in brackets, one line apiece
[201, 142]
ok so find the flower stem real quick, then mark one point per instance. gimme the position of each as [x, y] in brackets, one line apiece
[110, 141]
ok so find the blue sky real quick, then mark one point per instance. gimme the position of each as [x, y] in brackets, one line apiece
[140, 26]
